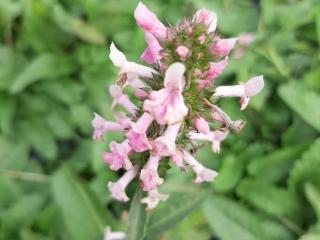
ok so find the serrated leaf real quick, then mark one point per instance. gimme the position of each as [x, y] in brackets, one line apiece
[276, 201]
[230, 220]
[83, 214]
[306, 170]
[176, 208]
[302, 100]
[276, 165]
[137, 218]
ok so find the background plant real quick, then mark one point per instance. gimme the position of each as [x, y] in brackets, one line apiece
[54, 73]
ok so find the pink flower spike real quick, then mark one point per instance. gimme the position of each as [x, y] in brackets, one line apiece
[216, 69]
[167, 105]
[137, 135]
[101, 126]
[245, 90]
[203, 173]
[165, 145]
[207, 17]
[133, 70]
[153, 199]
[121, 99]
[117, 189]
[118, 158]
[149, 22]
[151, 54]
[183, 52]
[109, 235]
[201, 125]
[149, 178]
[223, 47]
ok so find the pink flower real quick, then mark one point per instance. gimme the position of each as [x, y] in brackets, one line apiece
[167, 105]
[207, 17]
[223, 47]
[121, 99]
[153, 199]
[215, 137]
[201, 125]
[183, 52]
[245, 90]
[203, 173]
[131, 69]
[141, 94]
[152, 53]
[109, 235]
[117, 189]
[102, 126]
[165, 145]
[177, 159]
[149, 178]
[244, 40]
[118, 158]
[123, 120]
[149, 22]
[137, 135]
[216, 69]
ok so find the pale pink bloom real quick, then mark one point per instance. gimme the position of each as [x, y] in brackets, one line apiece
[202, 38]
[149, 22]
[244, 40]
[223, 47]
[118, 157]
[183, 52]
[102, 126]
[203, 173]
[245, 90]
[117, 189]
[153, 199]
[131, 69]
[201, 125]
[217, 117]
[123, 120]
[165, 145]
[215, 137]
[177, 159]
[216, 68]
[151, 54]
[149, 178]
[207, 17]
[137, 134]
[167, 105]
[109, 235]
[121, 99]
[141, 94]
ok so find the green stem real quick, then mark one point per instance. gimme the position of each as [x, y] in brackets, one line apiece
[137, 218]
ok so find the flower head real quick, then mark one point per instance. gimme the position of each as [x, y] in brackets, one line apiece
[175, 102]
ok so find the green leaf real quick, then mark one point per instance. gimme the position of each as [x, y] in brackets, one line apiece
[313, 195]
[230, 220]
[137, 218]
[274, 166]
[45, 66]
[312, 234]
[173, 211]
[229, 174]
[276, 201]
[303, 101]
[83, 214]
[306, 170]
[21, 213]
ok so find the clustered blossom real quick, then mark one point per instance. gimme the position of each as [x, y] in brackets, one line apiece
[175, 99]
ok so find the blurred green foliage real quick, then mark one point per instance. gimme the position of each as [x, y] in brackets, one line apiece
[54, 74]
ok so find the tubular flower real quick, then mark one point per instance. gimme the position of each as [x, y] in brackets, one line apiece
[102, 126]
[174, 103]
